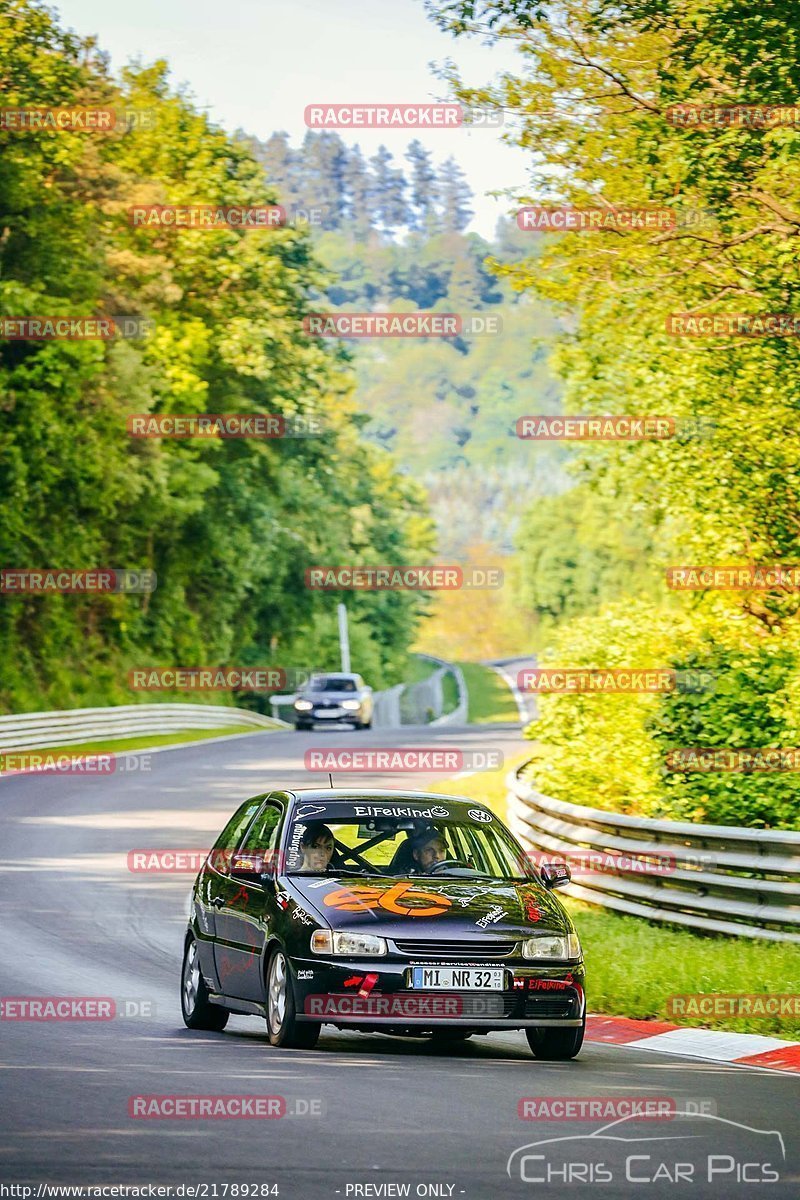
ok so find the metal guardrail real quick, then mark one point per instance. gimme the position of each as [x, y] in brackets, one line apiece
[712, 878]
[38, 730]
[458, 716]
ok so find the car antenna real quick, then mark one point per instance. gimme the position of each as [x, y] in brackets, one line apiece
[330, 777]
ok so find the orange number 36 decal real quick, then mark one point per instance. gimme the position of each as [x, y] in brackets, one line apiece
[403, 899]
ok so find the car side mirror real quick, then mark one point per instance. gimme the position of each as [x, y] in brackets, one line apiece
[555, 874]
[250, 868]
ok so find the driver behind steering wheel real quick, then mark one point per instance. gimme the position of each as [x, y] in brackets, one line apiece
[427, 849]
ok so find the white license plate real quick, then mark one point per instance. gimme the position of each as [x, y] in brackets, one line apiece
[470, 979]
[328, 712]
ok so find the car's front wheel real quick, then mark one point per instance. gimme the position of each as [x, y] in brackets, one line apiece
[283, 1027]
[556, 1044]
[198, 1011]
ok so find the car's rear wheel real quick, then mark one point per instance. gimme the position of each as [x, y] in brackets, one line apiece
[283, 1028]
[556, 1044]
[198, 1011]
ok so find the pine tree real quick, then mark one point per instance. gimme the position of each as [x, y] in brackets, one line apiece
[324, 159]
[455, 197]
[281, 165]
[357, 192]
[424, 191]
[388, 192]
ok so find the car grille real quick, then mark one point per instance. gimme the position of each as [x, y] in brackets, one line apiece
[540, 1006]
[478, 949]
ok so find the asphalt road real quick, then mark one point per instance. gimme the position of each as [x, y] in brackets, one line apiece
[382, 1111]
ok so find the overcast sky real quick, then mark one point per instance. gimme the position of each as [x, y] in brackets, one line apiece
[256, 64]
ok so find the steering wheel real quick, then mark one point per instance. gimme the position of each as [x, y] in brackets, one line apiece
[446, 862]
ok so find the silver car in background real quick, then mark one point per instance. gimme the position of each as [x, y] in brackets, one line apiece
[334, 699]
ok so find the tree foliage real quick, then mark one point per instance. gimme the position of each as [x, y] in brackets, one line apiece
[228, 526]
[592, 104]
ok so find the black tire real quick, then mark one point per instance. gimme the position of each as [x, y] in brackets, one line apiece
[365, 725]
[556, 1045]
[301, 728]
[283, 1028]
[198, 1011]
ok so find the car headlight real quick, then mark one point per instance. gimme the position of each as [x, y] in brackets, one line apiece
[548, 946]
[326, 941]
[351, 704]
[303, 705]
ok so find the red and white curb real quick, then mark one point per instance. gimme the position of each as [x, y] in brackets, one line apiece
[719, 1045]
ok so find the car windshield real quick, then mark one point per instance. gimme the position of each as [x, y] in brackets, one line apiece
[324, 841]
[331, 683]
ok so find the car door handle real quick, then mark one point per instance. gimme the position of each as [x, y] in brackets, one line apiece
[218, 901]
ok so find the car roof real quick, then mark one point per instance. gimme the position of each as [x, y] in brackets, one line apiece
[334, 675]
[350, 794]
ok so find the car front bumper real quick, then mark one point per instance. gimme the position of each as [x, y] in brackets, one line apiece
[347, 994]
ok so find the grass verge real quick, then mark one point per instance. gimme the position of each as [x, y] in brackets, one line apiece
[490, 697]
[633, 966]
[145, 742]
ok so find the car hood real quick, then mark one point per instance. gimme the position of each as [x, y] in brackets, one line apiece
[317, 696]
[421, 905]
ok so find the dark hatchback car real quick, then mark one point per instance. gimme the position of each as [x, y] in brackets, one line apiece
[408, 913]
[334, 700]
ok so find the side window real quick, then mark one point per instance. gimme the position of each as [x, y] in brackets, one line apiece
[264, 834]
[234, 830]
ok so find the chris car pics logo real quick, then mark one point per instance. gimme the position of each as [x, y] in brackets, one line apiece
[692, 1148]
